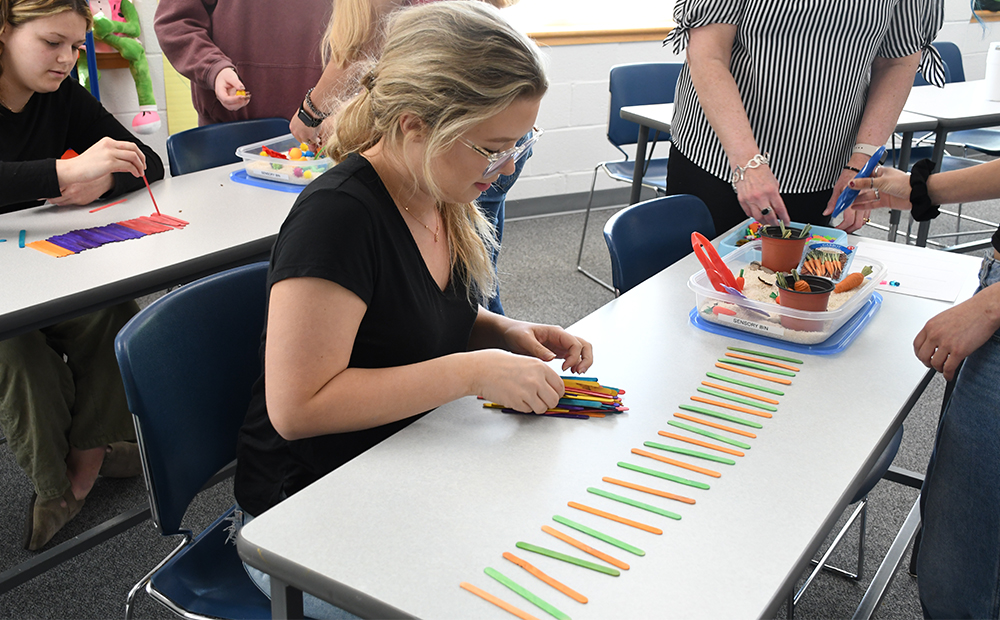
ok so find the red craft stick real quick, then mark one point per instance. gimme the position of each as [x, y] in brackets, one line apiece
[150, 194]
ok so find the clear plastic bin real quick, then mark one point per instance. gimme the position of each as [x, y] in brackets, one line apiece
[728, 244]
[296, 172]
[764, 317]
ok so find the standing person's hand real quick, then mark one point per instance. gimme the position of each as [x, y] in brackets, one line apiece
[227, 83]
[760, 196]
[855, 216]
[309, 135]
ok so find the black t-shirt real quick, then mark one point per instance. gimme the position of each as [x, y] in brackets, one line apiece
[33, 139]
[345, 228]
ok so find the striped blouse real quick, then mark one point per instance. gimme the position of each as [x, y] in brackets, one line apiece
[803, 69]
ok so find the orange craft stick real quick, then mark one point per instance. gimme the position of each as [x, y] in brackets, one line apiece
[760, 361]
[585, 548]
[558, 585]
[504, 605]
[613, 517]
[753, 374]
[721, 427]
[703, 444]
[719, 403]
[681, 464]
[763, 399]
[651, 491]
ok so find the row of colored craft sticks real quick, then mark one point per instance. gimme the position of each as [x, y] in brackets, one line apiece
[77, 241]
[584, 398]
[758, 364]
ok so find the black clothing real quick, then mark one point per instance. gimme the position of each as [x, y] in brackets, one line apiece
[33, 139]
[346, 228]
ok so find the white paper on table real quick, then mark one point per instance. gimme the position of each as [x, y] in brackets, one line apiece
[918, 272]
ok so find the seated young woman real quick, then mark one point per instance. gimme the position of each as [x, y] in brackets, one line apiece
[66, 421]
[378, 275]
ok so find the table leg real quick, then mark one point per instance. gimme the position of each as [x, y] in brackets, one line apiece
[904, 165]
[286, 601]
[640, 164]
[939, 139]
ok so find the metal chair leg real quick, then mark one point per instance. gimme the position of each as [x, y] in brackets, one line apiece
[583, 237]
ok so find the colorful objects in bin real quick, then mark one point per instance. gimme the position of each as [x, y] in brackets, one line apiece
[752, 233]
[584, 398]
[718, 273]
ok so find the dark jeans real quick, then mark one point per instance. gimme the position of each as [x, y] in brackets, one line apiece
[685, 177]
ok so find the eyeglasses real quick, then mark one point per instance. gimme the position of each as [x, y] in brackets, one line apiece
[500, 159]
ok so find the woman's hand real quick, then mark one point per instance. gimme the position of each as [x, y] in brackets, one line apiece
[520, 382]
[309, 135]
[953, 335]
[854, 217]
[548, 342]
[226, 85]
[893, 190]
[87, 177]
[759, 191]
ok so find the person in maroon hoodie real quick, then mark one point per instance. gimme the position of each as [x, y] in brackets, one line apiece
[245, 58]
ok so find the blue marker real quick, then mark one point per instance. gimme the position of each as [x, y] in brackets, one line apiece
[848, 195]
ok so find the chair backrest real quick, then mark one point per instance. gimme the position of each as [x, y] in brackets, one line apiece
[953, 58]
[649, 236]
[188, 363]
[638, 84]
[215, 145]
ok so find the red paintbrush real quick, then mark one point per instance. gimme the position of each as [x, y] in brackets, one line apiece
[151, 194]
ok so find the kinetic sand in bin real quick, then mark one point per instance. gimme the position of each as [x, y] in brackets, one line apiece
[760, 313]
[283, 159]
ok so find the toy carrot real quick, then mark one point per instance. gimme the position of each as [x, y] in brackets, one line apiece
[852, 281]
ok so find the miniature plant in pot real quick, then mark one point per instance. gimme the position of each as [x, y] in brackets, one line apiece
[810, 293]
[781, 248]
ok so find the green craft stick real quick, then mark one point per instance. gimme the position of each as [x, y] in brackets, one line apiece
[770, 355]
[721, 416]
[664, 475]
[524, 593]
[737, 399]
[777, 371]
[715, 436]
[632, 502]
[555, 555]
[694, 453]
[611, 540]
[762, 388]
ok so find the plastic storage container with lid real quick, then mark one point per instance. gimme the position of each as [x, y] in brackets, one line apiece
[764, 318]
[834, 235]
[296, 172]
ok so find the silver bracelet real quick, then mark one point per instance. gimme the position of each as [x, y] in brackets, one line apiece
[312, 108]
[756, 161]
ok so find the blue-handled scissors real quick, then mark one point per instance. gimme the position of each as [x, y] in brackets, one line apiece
[848, 195]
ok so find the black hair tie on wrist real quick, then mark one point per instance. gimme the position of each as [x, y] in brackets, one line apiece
[922, 209]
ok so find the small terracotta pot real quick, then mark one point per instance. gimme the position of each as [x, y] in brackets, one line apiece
[814, 301]
[777, 253]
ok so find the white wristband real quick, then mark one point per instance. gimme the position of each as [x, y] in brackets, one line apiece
[865, 149]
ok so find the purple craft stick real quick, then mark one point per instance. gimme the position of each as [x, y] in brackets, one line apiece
[92, 236]
[122, 233]
[549, 415]
[82, 238]
[67, 243]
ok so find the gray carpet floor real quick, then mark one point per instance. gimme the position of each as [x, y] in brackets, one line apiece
[539, 283]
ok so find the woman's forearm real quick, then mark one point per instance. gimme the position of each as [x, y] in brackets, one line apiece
[980, 182]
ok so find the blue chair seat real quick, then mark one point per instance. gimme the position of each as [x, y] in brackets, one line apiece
[654, 178]
[207, 578]
[982, 140]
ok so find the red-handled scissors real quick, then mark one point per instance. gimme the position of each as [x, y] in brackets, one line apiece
[718, 273]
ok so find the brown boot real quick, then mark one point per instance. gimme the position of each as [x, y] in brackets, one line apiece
[46, 518]
[122, 460]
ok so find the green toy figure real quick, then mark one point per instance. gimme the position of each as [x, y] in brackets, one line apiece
[121, 33]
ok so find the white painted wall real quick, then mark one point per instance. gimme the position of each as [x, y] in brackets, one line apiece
[573, 114]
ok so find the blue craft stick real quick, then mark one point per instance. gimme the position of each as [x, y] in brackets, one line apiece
[20, 238]
[2, 240]
[848, 195]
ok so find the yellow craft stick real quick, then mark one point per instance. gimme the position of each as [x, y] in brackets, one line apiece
[504, 605]
[760, 361]
[753, 374]
[555, 583]
[721, 427]
[651, 491]
[719, 403]
[47, 247]
[703, 444]
[681, 464]
[763, 399]
[614, 517]
[585, 548]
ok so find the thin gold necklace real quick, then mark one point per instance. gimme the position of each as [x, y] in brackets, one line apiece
[434, 232]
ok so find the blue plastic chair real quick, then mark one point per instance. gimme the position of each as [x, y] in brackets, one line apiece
[633, 84]
[188, 362]
[215, 145]
[647, 237]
